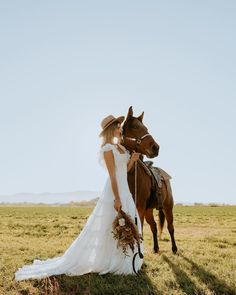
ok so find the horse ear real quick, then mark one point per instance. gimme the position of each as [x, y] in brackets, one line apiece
[141, 117]
[130, 112]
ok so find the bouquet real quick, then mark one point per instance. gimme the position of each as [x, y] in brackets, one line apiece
[125, 231]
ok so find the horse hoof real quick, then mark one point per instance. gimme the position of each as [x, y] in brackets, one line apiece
[174, 250]
[155, 251]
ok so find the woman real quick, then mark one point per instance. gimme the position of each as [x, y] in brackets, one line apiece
[95, 249]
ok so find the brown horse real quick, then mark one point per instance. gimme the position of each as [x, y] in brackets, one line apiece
[136, 137]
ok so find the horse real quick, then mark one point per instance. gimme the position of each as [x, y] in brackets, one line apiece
[135, 137]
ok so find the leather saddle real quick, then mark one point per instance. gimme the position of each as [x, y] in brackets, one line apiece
[157, 175]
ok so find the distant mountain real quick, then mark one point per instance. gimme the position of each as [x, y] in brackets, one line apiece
[50, 198]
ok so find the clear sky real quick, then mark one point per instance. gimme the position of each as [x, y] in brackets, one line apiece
[64, 65]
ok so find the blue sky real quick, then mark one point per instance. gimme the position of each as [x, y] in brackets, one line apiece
[64, 65]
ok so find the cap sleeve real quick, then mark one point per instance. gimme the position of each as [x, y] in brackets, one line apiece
[105, 148]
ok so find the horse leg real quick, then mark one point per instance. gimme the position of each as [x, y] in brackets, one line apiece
[169, 218]
[152, 223]
[141, 213]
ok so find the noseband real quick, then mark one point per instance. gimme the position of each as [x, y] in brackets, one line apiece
[137, 140]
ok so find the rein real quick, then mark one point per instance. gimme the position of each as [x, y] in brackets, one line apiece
[137, 141]
[136, 219]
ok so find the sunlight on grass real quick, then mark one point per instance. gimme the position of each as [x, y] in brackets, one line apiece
[205, 263]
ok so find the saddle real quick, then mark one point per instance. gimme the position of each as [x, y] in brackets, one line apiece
[158, 173]
[157, 176]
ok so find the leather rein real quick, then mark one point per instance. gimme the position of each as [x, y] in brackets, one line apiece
[137, 141]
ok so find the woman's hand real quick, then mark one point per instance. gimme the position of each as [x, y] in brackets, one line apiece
[134, 156]
[117, 205]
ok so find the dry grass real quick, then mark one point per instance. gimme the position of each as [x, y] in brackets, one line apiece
[205, 263]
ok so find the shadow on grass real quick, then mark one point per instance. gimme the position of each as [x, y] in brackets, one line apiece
[213, 283]
[185, 283]
[95, 284]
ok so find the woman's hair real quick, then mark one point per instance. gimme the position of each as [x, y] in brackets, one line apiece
[108, 134]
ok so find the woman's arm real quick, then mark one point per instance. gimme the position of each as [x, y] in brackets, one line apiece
[130, 164]
[110, 163]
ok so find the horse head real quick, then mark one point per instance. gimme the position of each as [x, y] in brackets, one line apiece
[136, 136]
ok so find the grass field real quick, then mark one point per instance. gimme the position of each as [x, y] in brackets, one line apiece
[205, 263]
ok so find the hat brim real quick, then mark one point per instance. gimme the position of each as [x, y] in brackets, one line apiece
[119, 119]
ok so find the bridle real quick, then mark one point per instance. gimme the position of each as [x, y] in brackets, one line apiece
[137, 140]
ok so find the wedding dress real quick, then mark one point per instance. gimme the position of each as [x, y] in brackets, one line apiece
[95, 249]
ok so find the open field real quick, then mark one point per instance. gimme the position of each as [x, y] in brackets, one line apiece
[205, 263]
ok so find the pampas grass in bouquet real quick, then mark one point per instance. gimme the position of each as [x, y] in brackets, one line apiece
[125, 231]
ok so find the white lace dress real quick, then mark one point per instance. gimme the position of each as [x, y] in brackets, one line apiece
[94, 250]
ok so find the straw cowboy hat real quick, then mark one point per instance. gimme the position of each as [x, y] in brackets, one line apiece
[107, 121]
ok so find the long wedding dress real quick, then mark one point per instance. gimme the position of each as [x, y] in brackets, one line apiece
[95, 249]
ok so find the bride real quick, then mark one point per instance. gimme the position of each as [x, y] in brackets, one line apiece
[95, 249]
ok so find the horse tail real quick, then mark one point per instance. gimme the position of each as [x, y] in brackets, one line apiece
[162, 217]
[161, 222]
